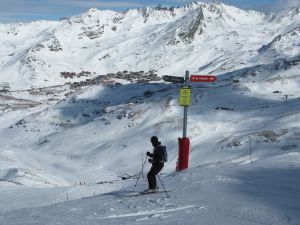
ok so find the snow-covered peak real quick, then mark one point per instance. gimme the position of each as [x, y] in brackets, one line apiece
[213, 9]
[285, 44]
[244, 16]
[157, 14]
[93, 16]
[288, 15]
[294, 11]
[293, 14]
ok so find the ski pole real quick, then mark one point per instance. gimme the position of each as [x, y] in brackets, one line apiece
[141, 171]
[163, 185]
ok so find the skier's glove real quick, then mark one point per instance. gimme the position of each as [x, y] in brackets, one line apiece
[150, 160]
[148, 153]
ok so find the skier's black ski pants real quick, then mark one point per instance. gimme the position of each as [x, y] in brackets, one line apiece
[155, 169]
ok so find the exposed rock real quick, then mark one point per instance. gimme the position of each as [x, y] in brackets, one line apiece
[195, 27]
[271, 136]
[121, 115]
[148, 94]
[55, 46]
[289, 147]
[224, 108]
[234, 143]
[92, 32]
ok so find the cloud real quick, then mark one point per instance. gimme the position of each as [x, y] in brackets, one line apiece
[285, 4]
[279, 5]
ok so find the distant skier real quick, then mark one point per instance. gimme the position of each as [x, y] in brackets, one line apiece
[157, 158]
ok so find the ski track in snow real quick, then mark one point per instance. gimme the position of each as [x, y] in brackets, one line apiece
[154, 213]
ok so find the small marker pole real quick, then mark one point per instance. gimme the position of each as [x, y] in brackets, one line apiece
[250, 148]
[163, 185]
[141, 171]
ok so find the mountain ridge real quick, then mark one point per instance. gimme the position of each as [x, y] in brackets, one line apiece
[106, 41]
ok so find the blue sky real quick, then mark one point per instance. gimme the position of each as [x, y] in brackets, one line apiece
[28, 10]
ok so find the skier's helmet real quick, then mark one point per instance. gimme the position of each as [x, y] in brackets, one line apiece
[154, 139]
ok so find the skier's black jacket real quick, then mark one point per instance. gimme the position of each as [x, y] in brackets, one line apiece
[156, 156]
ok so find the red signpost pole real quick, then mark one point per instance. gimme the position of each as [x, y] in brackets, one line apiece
[183, 155]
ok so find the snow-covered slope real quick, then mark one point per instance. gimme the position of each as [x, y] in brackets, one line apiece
[84, 133]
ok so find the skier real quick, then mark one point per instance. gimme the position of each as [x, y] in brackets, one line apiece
[156, 159]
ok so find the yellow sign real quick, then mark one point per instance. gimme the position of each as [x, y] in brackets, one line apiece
[185, 96]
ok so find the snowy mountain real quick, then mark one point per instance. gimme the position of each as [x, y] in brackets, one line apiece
[101, 42]
[81, 97]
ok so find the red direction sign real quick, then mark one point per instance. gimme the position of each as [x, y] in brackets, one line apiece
[202, 78]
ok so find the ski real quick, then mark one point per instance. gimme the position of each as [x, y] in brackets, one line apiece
[141, 193]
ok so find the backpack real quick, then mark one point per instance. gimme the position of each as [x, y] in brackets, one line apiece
[163, 153]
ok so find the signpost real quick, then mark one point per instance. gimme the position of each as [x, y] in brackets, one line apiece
[185, 95]
[184, 142]
[185, 100]
[173, 79]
